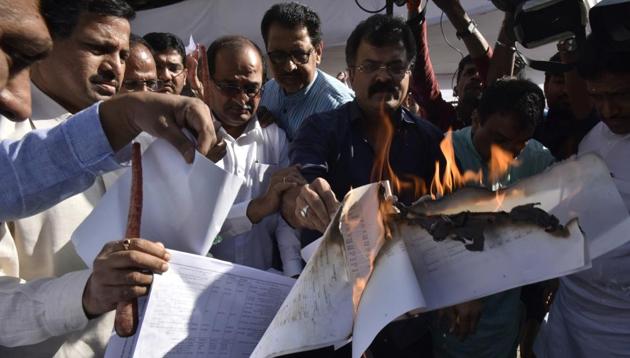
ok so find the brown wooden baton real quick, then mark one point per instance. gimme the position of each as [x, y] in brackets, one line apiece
[126, 319]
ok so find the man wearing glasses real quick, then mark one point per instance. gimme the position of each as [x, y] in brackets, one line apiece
[292, 36]
[336, 150]
[140, 70]
[256, 154]
[170, 57]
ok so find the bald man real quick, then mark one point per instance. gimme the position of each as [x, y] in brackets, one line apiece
[140, 72]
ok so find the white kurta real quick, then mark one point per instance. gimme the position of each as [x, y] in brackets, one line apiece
[43, 278]
[590, 316]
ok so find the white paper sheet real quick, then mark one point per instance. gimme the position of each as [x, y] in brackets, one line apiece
[391, 292]
[184, 205]
[577, 187]
[363, 229]
[318, 311]
[202, 307]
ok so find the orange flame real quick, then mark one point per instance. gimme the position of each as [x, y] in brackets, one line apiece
[445, 180]
[382, 170]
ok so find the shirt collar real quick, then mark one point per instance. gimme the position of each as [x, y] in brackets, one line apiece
[45, 107]
[299, 95]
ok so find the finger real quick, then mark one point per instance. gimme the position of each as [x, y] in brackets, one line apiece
[156, 249]
[126, 293]
[172, 133]
[317, 208]
[326, 194]
[196, 115]
[311, 221]
[132, 259]
[127, 277]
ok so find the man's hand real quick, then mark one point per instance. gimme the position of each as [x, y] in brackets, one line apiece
[122, 272]
[217, 152]
[269, 203]
[199, 80]
[123, 117]
[462, 318]
[315, 205]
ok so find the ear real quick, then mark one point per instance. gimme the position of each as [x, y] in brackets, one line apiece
[455, 91]
[319, 49]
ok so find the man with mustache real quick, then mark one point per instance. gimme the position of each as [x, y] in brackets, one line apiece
[170, 58]
[292, 36]
[257, 154]
[336, 150]
[61, 310]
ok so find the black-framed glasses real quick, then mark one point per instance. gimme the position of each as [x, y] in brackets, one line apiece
[174, 68]
[297, 56]
[233, 90]
[139, 85]
[395, 69]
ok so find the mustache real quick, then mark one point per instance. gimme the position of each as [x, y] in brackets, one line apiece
[388, 87]
[107, 77]
[239, 107]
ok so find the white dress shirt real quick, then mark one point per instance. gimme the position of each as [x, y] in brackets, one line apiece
[42, 277]
[255, 156]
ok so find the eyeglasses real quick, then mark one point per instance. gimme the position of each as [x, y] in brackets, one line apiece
[139, 85]
[175, 69]
[395, 69]
[297, 56]
[232, 90]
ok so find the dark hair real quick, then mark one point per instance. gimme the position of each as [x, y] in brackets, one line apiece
[380, 30]
[598, 57]
[231, 43]
[165, 41]
[135, 40]
[555, 58]
[292, 15]
[515, 96]
[460, 66]
[62, 16]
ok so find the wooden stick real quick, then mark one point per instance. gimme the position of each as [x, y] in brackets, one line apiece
[126, 319]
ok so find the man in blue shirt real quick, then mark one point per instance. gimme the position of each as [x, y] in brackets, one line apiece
[47, 166]
[292, 36]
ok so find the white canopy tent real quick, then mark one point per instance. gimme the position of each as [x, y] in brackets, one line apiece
[207, 20]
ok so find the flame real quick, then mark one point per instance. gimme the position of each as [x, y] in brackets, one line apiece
[382, 170]
[446, 179]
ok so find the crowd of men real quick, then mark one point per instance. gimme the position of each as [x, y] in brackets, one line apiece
[77, 86]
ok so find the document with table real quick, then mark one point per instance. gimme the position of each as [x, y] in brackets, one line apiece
[202, 307]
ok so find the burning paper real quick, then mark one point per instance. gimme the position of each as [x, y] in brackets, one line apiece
[433, 274]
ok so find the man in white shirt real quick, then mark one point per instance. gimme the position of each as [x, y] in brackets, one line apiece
[259, 155]
[590, 316]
